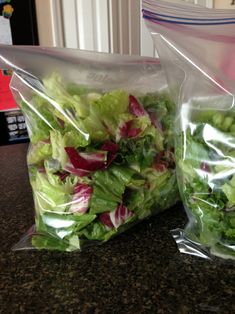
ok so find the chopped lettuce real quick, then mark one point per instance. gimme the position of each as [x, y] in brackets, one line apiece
[205, 163]
[99, 161]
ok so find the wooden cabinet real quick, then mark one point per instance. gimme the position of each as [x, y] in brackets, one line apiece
[224, 4]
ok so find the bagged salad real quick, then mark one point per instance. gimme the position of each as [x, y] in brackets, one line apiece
[101, 142]
[196, 47]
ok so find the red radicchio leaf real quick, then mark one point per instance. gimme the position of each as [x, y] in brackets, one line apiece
[86, 161]
[127, 131]
[154, 120]
[81, 198]
[61, 122]
[147, 185]
[105, 219]
[135, 108]
[133, 132]
[116, 217]
[110, 147]
[120, 215]
[160, 166]
[62, 175]
[205, 167]
[77, 172]
[46, 141]
[159, 156]
[42, 170]
[112, 150]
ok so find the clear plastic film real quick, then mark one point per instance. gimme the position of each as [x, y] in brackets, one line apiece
[101, 153]
[198, 58]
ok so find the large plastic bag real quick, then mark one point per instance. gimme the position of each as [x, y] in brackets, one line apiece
[197, 53]
[101, 152]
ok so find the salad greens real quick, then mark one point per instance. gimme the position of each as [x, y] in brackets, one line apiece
[98, 162]
[205, 163]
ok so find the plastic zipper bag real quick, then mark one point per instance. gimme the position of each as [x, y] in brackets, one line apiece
[199, 34]
[198, 58]
[101, 152]
[184, 10]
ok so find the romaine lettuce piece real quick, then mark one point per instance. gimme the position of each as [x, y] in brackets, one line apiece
[108, 188]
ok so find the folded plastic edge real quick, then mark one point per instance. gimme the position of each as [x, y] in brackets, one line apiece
[187, 246]
[25, 242]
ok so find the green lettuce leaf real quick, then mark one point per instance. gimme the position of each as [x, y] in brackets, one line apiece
[45, 241]
[60, 231]
[55, 88]
[190, 159]
[102, 123]
[196, 153]
[139, 153]
[64, 224]
[39, 119]
[114, 101]
[164, 108]
[49, 196]
[108, 188]
[163, 189]
[67, 185]
[159, 192]
[38, 152]
[97, 232]
[229, 191]
[157, 137]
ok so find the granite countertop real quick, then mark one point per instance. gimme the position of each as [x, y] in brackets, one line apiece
[140, 271]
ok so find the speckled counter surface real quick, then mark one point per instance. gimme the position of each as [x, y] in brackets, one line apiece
[140, 271]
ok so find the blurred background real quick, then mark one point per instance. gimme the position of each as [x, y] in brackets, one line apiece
[113, 26]
[101, 25]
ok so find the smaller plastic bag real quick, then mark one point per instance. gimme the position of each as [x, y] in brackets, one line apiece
[206, 34]
[198, 57]
[101, 153]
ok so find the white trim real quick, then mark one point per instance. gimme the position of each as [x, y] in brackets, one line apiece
[49, 20]
[146, 42]
[113, 26]
[123, 26]
[85, 24]
[57, 23]
[70, 23]
[101, 30]
[209, 3]
[134, 16]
